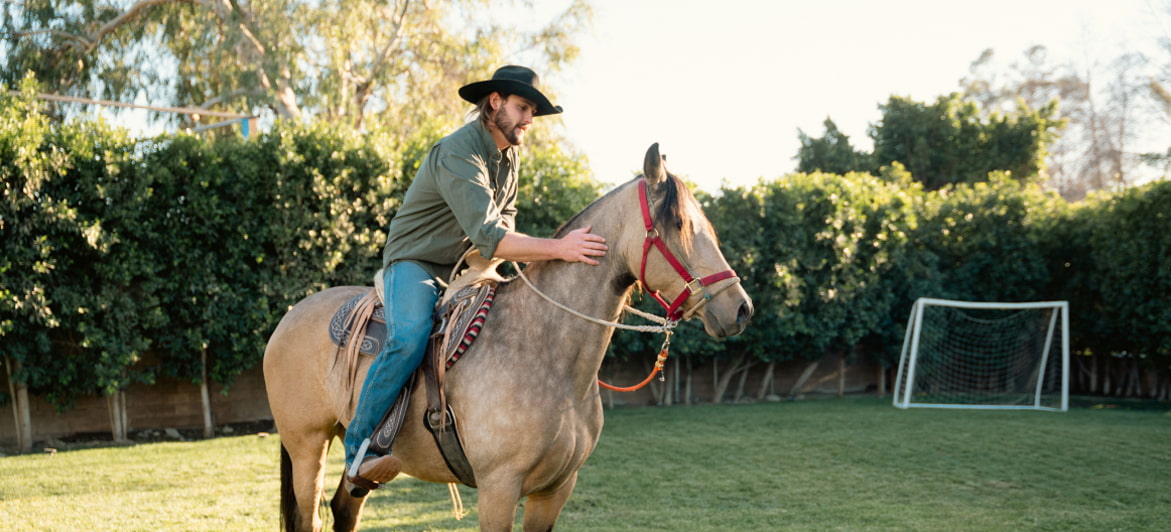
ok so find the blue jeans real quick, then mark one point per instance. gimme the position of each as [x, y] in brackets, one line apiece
[410, 295]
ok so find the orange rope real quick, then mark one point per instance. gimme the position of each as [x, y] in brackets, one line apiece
[658, 367]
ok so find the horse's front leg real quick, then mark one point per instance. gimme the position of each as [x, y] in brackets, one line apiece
[497, 505]
[542, 510]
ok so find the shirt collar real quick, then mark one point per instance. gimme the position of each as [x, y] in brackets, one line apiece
[495, 154]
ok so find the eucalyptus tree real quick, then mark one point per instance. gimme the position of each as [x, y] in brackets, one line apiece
[1107, 109]
[349, 61]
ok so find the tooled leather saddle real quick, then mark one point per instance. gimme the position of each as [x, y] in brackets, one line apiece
[458, 318]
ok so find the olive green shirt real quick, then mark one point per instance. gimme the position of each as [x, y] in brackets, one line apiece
[463, 195]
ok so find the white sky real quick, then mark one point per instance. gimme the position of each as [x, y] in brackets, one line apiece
[724, 86]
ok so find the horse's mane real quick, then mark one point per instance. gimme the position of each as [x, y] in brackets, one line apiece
[669, 215]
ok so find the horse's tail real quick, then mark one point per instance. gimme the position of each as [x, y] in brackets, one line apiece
[288, 496]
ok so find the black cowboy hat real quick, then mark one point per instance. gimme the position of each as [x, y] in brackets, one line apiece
[511, 79]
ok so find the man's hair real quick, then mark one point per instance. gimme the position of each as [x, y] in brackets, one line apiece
[483, 109]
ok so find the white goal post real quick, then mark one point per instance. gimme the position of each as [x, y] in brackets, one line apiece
[963, 354]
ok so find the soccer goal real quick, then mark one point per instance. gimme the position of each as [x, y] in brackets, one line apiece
[962, 354]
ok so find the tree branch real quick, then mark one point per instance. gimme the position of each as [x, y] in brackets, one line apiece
[131, 13]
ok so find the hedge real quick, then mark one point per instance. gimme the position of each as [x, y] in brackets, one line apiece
[191, 249]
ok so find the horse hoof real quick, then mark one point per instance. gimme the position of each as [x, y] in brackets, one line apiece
[354, 490]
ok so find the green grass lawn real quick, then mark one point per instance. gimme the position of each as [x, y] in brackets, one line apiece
[826, 464]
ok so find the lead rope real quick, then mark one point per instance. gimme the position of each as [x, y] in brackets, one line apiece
[660, 361]
[666, 325]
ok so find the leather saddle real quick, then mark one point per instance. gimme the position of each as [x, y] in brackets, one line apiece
[458, 318]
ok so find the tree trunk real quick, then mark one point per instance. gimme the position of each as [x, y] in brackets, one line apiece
[715, 379]
[687, 386]
[766, 381]
[723, 382]
[117, 406]
[657, 390]
[675, 381]
[841, 375]
[809, 369]
[1094, 374]
[881, 381]
[205, 396]
[1106, 377]
[740, 386]
[20, 407]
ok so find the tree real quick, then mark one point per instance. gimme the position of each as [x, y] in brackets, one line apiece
[27, 259]
[832, 153]
[555, 183]
[1104, 119]
[952, 141]
[346, 61]
[1159, 88]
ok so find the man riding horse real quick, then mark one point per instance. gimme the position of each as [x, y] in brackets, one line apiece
[463, 195]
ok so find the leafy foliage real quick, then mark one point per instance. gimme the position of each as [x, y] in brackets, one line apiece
[355, 62]
[950, 142]
[122, 260]
[831, 153]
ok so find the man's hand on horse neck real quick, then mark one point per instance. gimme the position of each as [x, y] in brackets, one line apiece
[579, 245]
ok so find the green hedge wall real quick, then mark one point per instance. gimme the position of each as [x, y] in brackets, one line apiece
[112, 248]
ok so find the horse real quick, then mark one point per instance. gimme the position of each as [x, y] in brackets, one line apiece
[526, 392]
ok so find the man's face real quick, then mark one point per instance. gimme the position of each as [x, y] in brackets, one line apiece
[513, 118]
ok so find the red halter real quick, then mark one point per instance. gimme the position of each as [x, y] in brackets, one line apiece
[694, 286]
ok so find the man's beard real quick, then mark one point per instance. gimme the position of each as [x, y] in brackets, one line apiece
[511, 133]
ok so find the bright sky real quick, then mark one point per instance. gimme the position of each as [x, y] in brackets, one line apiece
[724, 86]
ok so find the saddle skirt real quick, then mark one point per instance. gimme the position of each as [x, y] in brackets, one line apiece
[373, 331]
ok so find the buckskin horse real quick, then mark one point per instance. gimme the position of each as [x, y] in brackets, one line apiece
[526, 393]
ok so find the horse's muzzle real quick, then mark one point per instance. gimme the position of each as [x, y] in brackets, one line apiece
[728, 313]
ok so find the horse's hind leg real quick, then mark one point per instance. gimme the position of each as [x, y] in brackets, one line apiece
[541, 510]
[347, 510]
[307, 453]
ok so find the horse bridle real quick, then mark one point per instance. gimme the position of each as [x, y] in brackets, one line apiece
[693, 285]
[674, 309]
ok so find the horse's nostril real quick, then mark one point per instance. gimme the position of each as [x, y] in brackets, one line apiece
[744, 313]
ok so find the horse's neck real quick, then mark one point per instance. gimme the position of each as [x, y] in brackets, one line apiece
[589, 291]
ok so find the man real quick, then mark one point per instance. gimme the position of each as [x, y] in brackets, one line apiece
[464, 194]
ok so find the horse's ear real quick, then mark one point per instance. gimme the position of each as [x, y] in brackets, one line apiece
[653, 168]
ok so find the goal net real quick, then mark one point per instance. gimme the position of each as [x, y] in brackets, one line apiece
[962, 354]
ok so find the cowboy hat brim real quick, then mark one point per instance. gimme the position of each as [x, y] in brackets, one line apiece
[474, 92]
